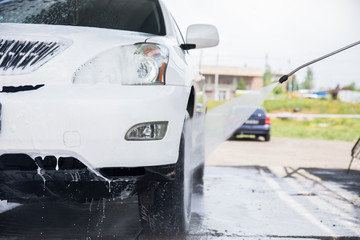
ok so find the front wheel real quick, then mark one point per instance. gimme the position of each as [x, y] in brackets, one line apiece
[165, 208]
[199, 175]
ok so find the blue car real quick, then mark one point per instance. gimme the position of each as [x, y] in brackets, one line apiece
[258, 124]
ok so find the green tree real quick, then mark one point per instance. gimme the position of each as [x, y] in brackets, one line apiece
[267, 76]
[308, 83]
[295, 84]
[350, 86]
[278, 90]
[292, 84]
[241, 85]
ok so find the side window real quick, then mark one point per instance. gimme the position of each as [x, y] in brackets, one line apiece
[179, 36]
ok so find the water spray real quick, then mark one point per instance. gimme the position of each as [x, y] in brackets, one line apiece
[285, 77]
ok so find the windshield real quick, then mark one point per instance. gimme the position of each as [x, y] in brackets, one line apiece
[133, 15]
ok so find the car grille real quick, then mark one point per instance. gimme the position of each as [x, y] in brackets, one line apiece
[18, 56]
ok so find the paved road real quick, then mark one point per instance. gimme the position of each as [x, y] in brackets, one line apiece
[277, 202]
[284, 152]
[247, 194]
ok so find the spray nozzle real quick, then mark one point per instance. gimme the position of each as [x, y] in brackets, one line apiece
[285, 77]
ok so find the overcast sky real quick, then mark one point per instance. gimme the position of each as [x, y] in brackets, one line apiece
[290, 32]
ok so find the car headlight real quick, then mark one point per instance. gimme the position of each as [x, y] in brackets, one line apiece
[138, 64]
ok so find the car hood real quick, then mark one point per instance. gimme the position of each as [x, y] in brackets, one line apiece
[33, 54]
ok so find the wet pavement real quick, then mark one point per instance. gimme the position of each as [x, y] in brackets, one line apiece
[234, 203]
[277, 202]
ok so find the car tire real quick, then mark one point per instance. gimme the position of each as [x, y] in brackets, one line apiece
[199, 175]
[267, 137]
[164, 209]
[232, 137]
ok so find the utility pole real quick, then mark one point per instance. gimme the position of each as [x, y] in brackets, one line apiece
[216, 84]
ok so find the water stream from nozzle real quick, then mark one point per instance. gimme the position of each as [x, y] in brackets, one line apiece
[222, 121]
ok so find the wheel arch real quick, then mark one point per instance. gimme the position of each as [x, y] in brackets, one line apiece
[191, 102]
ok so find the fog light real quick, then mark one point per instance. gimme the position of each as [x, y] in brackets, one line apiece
[147, 131]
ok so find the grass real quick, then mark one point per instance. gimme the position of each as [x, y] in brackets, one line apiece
[316, 106]
[321, 128]
[324, 129]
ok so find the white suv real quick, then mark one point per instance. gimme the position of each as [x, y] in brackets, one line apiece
[94, 99]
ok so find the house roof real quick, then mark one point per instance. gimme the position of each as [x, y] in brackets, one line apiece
[232, 71]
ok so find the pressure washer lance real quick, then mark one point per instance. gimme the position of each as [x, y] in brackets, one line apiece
[285, 77]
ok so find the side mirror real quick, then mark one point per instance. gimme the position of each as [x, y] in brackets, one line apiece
[201, 36]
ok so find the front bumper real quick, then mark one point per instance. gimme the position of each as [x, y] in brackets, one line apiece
[89, 122]
[33, 180]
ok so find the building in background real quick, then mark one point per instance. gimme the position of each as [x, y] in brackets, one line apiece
[229, 78]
